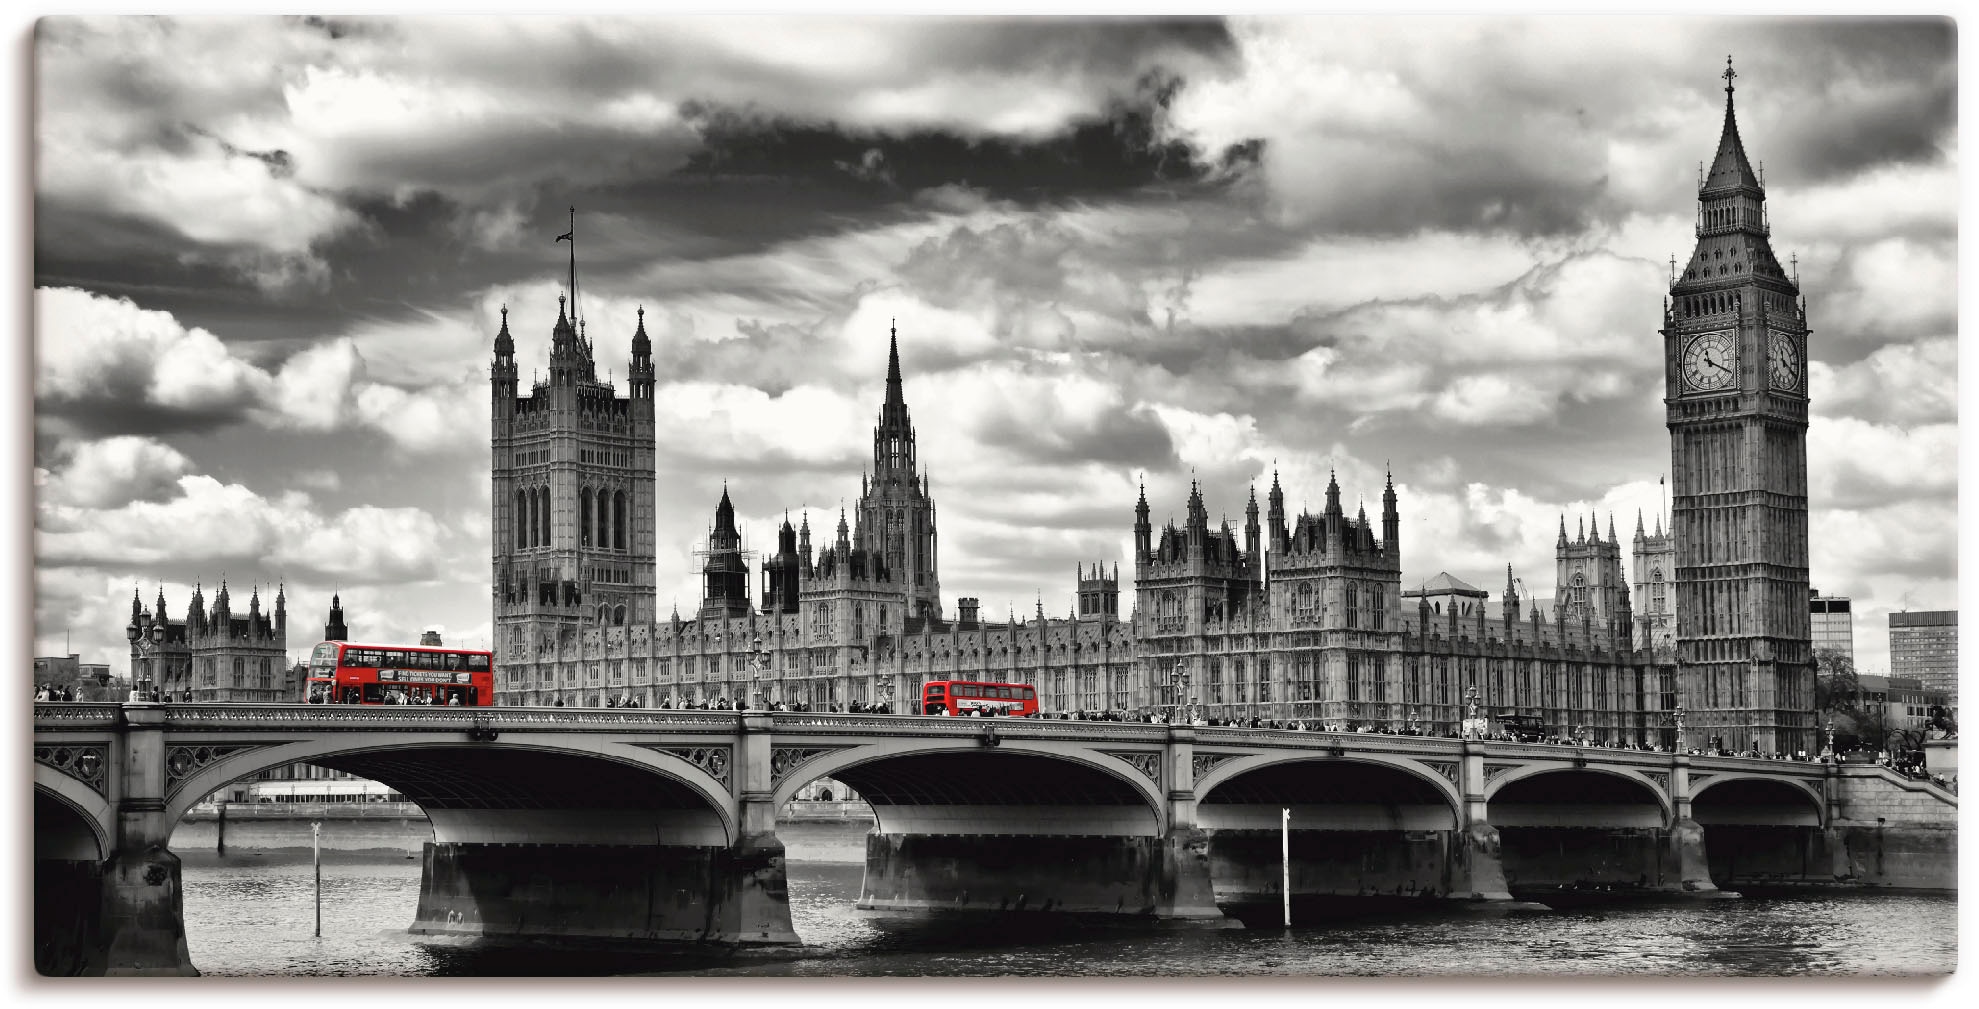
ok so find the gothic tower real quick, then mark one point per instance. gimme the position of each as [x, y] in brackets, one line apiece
[1734, 344]
[573, 496]
[334, 629]
[1655, 591]
[895, 508]
[1591, 587]
[725, 569]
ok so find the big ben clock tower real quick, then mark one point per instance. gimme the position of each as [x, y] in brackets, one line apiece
[1735, 397]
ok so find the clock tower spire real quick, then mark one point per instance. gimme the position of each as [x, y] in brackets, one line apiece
[1735, 400]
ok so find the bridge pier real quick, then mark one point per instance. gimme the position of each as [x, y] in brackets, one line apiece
[142, 923]
[618, 893]
[1161, 879]
[685, 892]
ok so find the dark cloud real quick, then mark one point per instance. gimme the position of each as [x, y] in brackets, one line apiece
[1836, 96]
[1131, 437]
[1123, 147]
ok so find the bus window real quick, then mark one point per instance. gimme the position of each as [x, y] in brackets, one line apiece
[1029, 694]
[937, 689]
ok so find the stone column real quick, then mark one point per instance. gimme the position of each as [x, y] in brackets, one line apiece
[1480, 869]
[1684, 855]
[758, 889]
[143, 919]
[1187, 894]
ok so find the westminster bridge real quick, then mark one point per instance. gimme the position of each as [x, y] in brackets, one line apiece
[660, 825]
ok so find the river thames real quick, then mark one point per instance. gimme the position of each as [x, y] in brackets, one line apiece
[251, 913]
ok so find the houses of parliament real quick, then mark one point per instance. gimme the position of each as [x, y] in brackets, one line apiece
[1305, 616]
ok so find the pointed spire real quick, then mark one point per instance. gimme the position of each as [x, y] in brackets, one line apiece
[504, 343]
[1638, 523]
[1730, 169]
[1563, 529]
[641, 343]
[1611, 529]
[137, 606]
[894, 397]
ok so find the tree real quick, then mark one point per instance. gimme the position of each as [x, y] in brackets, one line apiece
[1859, 720]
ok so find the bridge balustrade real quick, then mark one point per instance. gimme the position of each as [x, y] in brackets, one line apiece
[966, 800]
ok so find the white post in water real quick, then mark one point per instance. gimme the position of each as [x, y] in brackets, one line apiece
[316, 855]
[1285, 859]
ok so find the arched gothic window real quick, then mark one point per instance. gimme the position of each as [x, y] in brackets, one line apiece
[618, 520]
[584, 517]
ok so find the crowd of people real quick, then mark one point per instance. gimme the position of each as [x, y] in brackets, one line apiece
[739, 704]
[56, 692]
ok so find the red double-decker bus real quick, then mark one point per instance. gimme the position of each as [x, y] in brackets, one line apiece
[342, 672]
[971, 697]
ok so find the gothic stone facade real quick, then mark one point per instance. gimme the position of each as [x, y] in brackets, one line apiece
[1305, 619]
[216, 654]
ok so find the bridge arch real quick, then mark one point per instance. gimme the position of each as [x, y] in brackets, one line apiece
[525, 788]
[1730, 798]
[72, 821]
[1630, 798]
[1412, 774]
[1020, 786]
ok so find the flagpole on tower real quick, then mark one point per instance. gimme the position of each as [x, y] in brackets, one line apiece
[571, 237]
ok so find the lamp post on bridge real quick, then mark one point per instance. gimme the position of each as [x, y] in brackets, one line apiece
[1470, 712]
[1415, 721]
[1679, 715]
[147, 639]
[758, 659]
[1828, 750]
[1178, 680]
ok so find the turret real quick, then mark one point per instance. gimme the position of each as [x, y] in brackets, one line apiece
[196, 613]
[1198, 521]
[1391, 520]
[333, 628]
[1143, 531]
[1563, 532]
[1251, 527]
[640, 374]
[1280, 532]
[1510, 596]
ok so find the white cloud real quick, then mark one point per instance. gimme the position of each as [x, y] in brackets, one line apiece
[115, 472]
[212, 525]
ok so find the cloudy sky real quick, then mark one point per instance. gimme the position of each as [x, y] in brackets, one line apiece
[269, 257]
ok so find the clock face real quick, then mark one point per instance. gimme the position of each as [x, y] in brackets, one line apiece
[1783, 365]
[1710, 362]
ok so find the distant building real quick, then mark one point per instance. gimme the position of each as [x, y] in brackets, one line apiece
[91, 680]
[215, 654]
[1904, 700]
[1924, 645]
[1833, 623]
